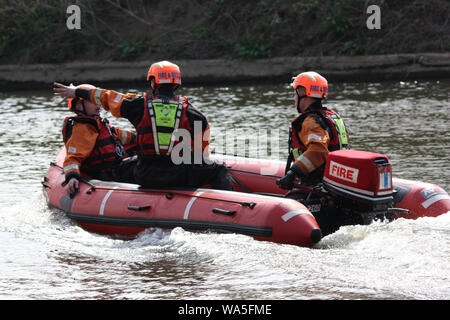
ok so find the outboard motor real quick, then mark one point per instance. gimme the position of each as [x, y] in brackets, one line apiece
[356, 189]
[361, 183]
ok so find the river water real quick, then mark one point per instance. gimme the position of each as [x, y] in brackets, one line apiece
[44, 255]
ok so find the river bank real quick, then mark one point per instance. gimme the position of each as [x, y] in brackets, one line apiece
[231, 71]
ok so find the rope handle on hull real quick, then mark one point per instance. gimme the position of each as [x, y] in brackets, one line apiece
[222, 211]
[138, 208]
[169, 194]
[296, 185]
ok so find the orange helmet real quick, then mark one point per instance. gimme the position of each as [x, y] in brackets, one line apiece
[72, 102]
[165, 72]
[316, 86]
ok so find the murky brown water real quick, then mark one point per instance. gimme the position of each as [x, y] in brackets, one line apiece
[45, 256]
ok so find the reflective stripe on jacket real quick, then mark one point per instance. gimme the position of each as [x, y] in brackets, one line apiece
[135, 108]
[313, 134]
[161, 118]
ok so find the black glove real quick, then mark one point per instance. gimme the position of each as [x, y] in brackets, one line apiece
[287, 182]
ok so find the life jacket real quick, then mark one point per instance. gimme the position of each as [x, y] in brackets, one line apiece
[160, 120]
[329, 120]
[108, 149]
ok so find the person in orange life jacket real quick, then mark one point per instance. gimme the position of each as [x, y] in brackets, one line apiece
[157, 117]
[314, 133]
[93, 146]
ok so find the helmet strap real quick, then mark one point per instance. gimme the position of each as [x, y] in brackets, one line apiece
[153, 85]
[79, 112]
[84, 107]
[299, 99]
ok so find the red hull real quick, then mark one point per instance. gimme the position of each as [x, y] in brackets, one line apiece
[126, 210]
[421, 199]
[123, 209]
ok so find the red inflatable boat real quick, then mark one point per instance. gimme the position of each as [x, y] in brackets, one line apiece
[257, 207]
[357, 188]
[125, 209]
[417, 199]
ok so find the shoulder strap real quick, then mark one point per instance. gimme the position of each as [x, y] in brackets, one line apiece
[290, 157]
[86, 119]
[151, 114]
[69, 122]
[177, 122]
[340, 128]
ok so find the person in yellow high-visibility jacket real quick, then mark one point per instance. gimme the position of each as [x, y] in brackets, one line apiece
[315, 132]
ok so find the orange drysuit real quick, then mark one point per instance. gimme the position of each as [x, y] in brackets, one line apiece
[92, 145]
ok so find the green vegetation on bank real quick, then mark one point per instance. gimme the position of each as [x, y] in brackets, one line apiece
[126, 30]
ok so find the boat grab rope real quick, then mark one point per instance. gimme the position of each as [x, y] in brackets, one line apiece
[254, 173]
[296, 185]
[169, 194]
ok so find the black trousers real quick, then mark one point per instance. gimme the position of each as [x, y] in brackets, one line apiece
[162, 173]
[121, 172]
[125, 171]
